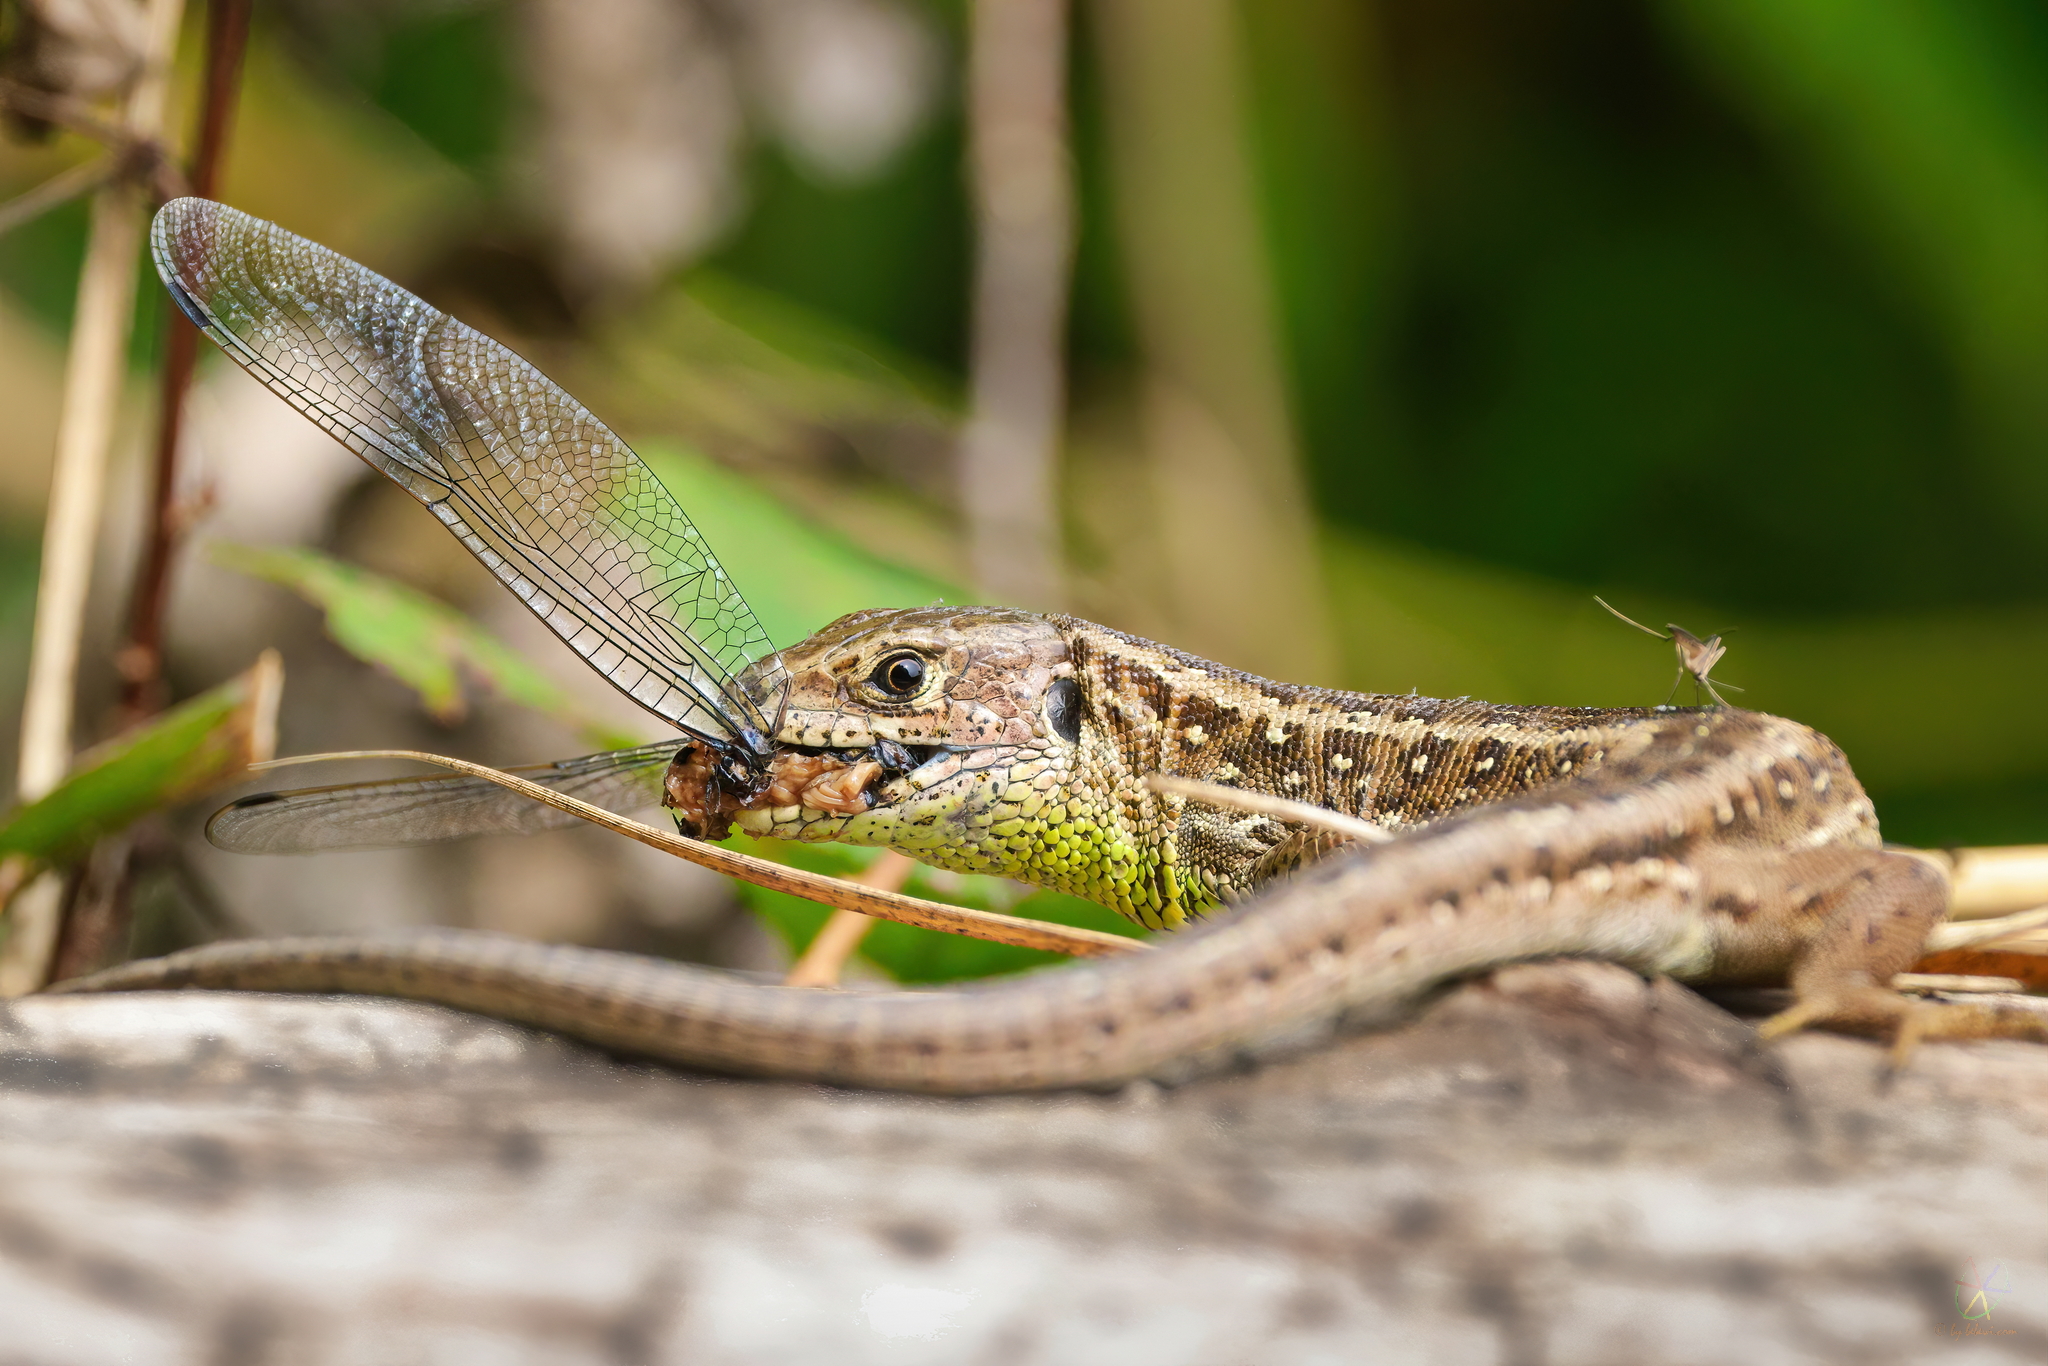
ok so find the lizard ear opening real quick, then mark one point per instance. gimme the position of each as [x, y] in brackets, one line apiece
[1063, 709]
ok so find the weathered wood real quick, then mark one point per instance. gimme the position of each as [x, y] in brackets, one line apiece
[1561, 1164]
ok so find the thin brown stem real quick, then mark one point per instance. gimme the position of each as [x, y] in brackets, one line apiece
[97, 918]
[831, 891]
[227, 36]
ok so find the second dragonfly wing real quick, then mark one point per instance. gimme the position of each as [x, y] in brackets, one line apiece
[408, 811]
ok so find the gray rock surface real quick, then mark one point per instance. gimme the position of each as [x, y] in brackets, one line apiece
[1559, 1164]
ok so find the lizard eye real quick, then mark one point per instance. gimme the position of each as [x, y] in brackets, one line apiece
[899, 676]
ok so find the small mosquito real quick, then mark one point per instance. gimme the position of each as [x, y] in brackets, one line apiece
[1695, 656]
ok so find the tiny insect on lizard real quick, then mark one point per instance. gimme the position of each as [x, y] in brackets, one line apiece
[1696, 657]
[1715, 845]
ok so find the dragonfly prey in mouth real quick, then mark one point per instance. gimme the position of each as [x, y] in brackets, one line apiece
[554, 504]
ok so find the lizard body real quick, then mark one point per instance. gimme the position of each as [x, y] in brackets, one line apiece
[1012, 796]
[1713, 845]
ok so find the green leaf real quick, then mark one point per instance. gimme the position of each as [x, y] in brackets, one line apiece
[202, 744]
[424, 643]
[906, 952]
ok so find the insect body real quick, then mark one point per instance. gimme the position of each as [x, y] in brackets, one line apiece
[1696, 657]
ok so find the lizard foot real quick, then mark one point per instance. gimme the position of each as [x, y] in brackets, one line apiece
[1876, 1011]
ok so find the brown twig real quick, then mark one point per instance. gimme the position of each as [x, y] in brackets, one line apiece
[909, 910]
[97, 917]
[227, 36]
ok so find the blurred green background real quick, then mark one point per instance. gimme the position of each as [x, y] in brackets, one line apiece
[1733, 311]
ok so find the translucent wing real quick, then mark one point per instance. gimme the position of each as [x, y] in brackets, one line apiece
[407, 811]
[555, 505]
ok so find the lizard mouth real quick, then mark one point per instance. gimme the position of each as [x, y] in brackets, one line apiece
[841, 782]
[927, 756]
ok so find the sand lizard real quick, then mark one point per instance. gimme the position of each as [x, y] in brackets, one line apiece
[1714, 845]
[1710, 844]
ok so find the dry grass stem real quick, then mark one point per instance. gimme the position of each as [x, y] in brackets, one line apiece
[34, 919]
[1949, 981]
[1994, 881]
[1236, 557]
[830, 891]
[1279, 808]
[2024, 932]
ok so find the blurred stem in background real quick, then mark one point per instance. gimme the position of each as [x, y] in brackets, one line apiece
[142, 662]
[93, 379]
[1024, 209]
[1236, 535]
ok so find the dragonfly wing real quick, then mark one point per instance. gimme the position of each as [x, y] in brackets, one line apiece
[407, 811]
[554, 504]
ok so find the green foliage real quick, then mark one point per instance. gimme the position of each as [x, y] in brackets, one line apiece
[198, 745]
[906, 952]
[889, 256]
[444, 74]
[425, 644]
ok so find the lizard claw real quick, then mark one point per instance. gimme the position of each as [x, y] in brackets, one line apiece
[1874, 1010]
[1800, 1014]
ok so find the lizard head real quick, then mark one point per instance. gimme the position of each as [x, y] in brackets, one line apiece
[957, 735]
[901, 727]
[958, 678]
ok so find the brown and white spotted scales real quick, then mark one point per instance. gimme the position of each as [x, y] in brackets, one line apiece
[1710, 844]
